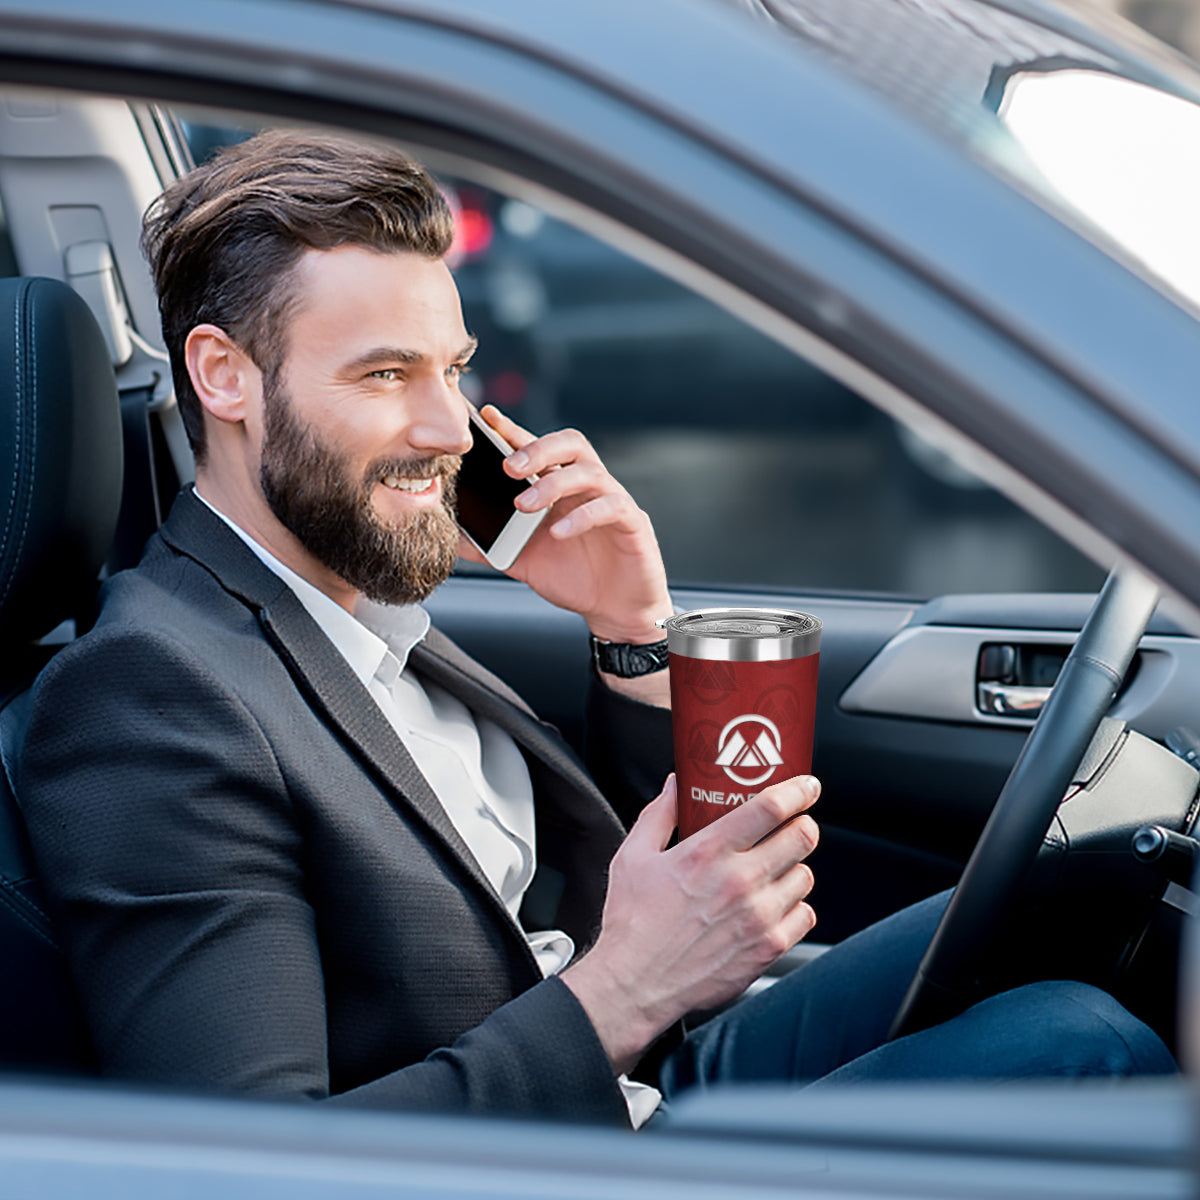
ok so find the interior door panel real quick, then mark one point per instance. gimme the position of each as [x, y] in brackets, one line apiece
[909, 767]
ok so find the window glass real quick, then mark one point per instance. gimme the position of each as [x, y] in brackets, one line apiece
[724, 437]
[1044, 103]
[1125, 155]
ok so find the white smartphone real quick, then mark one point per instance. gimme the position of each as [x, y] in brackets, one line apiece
[485, 495]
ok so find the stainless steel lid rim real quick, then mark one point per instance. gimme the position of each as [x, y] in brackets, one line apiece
[743, 634]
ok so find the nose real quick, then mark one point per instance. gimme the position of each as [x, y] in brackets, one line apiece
[440, 423]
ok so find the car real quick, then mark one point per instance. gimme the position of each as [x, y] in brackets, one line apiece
[842, 180]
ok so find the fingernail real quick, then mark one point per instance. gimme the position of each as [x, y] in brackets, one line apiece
[563, 527]
[520, 460]
[528, 499]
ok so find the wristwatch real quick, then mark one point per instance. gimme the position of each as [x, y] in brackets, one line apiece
[627, 660]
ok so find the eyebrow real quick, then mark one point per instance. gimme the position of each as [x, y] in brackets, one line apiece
[382, 356]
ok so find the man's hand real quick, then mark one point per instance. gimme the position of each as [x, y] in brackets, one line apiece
[690, 927]
[595, 554]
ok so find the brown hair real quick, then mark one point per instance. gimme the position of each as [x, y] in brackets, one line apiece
[223, 242]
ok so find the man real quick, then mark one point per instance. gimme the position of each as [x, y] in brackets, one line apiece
[299, 844]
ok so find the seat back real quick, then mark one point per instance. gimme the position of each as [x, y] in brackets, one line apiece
[61, 460]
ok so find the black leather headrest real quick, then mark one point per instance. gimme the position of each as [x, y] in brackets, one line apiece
[60, 456]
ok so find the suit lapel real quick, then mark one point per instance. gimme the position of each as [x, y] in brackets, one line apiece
[578, 832]
[318, 669]
[440, 660]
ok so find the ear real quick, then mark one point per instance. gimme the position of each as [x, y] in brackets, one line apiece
[224, 376]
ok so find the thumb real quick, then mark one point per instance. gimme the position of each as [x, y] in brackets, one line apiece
[654, 826]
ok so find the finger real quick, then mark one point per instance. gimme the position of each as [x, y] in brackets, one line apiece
[748, 824]
[794, 885]
[574, 480]
[617, 512]
[559, 449]
[798, 923]
[515, 435]
[781, 850]
[605, 511]
[793, 917]
[656, 822]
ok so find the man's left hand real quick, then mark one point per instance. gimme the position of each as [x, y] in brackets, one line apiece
[595, 553]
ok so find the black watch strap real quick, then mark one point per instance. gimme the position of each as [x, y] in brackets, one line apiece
[627, 660]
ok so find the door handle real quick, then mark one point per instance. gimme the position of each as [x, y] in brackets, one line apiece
[1010, 699]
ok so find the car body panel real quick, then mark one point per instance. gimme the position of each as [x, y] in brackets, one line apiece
[961, 1142]
[1002, 328]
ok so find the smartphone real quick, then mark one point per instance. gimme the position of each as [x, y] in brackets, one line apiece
[485, 495]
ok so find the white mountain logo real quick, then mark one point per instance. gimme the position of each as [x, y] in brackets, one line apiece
[748, 749]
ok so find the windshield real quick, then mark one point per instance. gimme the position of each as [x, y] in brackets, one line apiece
[1124, 155]
[1090, 131]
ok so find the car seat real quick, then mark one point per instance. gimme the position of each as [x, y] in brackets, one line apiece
[61, 463]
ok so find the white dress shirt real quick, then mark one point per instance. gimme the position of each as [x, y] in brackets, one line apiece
[474, 768]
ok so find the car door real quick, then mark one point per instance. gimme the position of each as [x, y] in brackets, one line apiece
[946, 610]
[740, 427]
[854, 274]
[725, 437]
[771, 482]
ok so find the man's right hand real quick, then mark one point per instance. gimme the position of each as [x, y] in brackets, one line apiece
[689, 928]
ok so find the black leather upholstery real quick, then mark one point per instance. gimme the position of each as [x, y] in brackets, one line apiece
[60, 491]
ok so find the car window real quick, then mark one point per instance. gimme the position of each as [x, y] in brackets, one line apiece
[1124, 155]
[1104, 144]
[710, 424]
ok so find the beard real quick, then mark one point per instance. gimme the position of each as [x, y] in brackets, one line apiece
[309, 488]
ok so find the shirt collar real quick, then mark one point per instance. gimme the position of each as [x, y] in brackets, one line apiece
[375, 640]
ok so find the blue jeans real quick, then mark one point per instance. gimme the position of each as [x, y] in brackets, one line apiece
[828, 1022]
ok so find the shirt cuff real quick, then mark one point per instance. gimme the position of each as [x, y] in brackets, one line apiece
[641, 1099]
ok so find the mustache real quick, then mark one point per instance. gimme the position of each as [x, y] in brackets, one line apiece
[445, 465]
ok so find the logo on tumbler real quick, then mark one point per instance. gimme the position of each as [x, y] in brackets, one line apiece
[748, 749]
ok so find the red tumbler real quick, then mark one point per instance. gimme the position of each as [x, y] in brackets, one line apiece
[743, 704]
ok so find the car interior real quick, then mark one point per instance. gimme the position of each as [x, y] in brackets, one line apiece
[925, 698]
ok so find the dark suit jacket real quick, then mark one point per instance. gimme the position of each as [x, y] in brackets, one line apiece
[257, 889]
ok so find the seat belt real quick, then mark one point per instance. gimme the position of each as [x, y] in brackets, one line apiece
[140, 514]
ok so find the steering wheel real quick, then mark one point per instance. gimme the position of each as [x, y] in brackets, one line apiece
[945, 980]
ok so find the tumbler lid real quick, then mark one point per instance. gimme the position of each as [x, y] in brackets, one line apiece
[743, 634]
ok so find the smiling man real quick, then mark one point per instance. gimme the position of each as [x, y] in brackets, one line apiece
[300, 845]
[349, 486]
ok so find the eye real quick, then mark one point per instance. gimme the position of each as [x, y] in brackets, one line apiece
[457, 370]
[387, 374]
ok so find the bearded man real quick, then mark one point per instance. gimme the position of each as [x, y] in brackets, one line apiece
[298, 844]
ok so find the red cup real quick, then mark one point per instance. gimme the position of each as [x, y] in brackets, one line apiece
[743, 704]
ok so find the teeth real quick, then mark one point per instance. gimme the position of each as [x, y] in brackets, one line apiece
[407, 485]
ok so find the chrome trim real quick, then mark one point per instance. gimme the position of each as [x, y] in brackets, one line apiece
[928, 672]
[738, 646]
[1185, 901]
[1010, 699]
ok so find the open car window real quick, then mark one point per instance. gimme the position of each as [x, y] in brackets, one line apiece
[723, 436]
